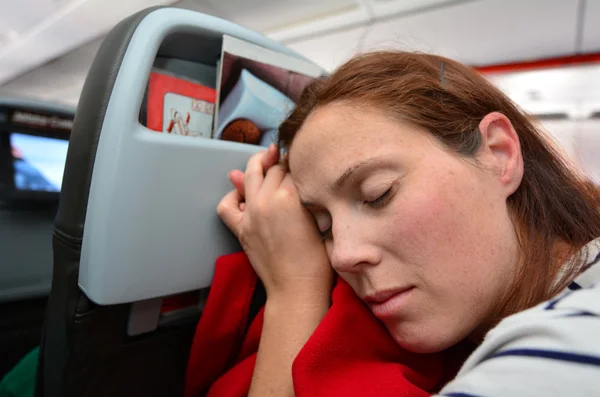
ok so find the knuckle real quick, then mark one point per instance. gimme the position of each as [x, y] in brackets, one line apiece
[263, 208]
[286, 193]
[221, 208]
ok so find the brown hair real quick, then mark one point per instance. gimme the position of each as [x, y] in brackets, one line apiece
[555, 209]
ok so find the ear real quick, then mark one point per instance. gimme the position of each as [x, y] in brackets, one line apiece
[502, 151]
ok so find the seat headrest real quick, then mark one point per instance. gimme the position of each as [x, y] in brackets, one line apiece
[142, 204]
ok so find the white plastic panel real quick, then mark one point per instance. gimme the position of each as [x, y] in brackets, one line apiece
[590, 40]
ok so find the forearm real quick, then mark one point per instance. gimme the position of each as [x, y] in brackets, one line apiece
[288, 323]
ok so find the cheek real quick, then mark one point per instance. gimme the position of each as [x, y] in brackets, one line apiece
[427, 216]
[446, 230]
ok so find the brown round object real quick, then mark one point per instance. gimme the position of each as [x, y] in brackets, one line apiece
[241, 130]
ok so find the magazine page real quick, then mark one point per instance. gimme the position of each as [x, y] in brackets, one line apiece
[180, 106]
[256, 89]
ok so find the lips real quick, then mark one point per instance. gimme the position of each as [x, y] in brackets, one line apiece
[387, 303]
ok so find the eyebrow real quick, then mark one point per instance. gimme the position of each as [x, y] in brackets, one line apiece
[345, 177]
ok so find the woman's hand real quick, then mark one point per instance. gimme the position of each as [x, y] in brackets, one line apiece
[282, 242]
[277, 233]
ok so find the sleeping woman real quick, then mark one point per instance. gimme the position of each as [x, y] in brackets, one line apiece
[448, 212]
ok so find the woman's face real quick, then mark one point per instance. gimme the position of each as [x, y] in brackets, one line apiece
[423, 236]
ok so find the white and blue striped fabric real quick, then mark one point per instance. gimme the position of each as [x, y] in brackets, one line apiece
[552, 349]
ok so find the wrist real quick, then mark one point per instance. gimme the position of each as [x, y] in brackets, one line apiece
[308, 302]
[301, 293]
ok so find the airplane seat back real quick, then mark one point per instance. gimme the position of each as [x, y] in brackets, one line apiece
[136, 226]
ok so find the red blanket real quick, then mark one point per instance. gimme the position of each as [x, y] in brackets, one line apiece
[349, 354]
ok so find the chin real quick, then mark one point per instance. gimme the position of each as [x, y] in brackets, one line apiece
[423, 341]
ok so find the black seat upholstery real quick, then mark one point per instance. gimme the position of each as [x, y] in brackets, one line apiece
[85, 350]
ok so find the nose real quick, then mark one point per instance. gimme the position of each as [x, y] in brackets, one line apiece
[350, 248]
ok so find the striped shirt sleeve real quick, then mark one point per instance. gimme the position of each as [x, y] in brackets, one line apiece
[552, 349]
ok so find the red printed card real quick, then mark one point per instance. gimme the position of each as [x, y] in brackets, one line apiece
[180, 107]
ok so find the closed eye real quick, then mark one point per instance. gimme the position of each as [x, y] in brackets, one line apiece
[380, 201]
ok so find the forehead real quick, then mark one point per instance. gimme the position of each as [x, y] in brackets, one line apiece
[330, 127]
[336, 137]
[337, 124]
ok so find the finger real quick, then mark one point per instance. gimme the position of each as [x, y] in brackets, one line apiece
[237, 179]
[275, 175]
[288, 185]
[271, 158]
[229, 211]
[254, 175]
